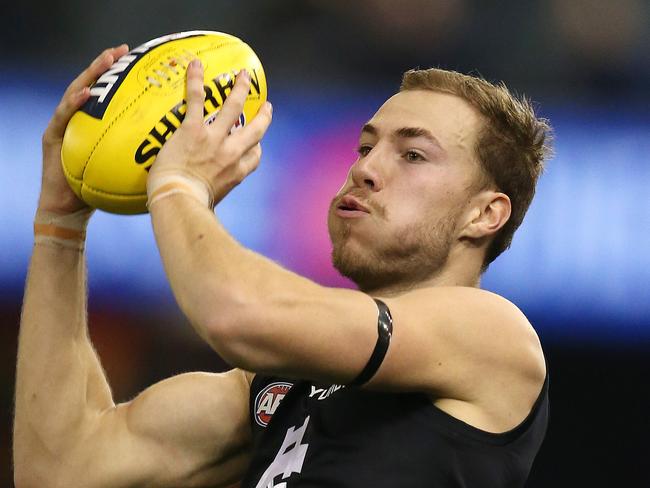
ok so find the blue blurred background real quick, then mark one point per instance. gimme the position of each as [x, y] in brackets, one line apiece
[579, 266]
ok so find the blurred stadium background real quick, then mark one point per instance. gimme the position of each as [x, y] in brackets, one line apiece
[579, 266]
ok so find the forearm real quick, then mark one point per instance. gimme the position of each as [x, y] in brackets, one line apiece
[192, 246]
[257, 315]
[60, 385]
[216, 280]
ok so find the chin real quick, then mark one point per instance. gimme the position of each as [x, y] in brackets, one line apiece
[403, 259]
[349, 257]
[368, 269]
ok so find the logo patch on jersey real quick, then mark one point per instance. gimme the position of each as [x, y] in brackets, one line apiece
[267, 401]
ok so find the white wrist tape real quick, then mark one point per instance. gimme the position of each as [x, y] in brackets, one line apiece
[161, 186]
[69, 230]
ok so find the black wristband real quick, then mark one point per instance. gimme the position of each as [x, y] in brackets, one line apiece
[384, 332]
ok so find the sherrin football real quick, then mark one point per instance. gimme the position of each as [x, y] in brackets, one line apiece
[113, 139]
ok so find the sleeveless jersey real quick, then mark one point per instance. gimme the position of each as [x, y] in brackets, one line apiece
[310, 435]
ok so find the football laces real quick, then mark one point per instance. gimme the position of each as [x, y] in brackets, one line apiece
[170, 67]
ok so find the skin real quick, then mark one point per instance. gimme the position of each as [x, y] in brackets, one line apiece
[451, 340]
[67, 427]
[422, 190]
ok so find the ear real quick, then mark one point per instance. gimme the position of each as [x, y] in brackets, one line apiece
[490, 210]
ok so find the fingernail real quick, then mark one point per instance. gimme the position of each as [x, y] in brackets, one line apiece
[244, 74]
[196, 63]
[270, 106]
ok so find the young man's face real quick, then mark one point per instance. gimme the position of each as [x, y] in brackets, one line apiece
[413, 178]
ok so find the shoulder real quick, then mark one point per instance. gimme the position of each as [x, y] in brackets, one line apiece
[485, 361]
[482, 334]
[465, 309]
[470, 313]
[462, 300]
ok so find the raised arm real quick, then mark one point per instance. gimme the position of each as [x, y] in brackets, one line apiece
[459, 344]
[190, 430]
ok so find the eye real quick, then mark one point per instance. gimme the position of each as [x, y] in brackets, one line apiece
[364, 149]
[413, 156]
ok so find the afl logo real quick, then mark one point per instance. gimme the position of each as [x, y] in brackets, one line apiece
[267, 401]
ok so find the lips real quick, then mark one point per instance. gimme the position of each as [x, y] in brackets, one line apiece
[349, 202]
[349, 206]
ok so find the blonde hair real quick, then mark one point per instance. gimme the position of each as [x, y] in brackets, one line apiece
[511, 146]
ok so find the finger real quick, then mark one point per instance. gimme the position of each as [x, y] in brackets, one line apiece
[77, 92]
[195, 92]
[250, 160]
[99, 65]
[234, 104]
[252, 133]
[69, 104]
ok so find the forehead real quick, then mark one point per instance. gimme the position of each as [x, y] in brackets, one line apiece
[449, 118]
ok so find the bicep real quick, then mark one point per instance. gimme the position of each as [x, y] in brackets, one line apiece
[455, 342]
[189, 430]
[445, 339]
[310, 332]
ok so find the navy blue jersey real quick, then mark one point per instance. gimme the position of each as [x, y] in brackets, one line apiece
[310, 435]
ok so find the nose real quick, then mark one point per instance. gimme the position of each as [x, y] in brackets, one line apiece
[366, 171]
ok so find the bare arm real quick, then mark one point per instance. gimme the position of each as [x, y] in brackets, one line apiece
[190, 430]
[451, 342]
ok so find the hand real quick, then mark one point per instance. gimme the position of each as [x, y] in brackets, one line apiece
[210, 153]
[56, 195]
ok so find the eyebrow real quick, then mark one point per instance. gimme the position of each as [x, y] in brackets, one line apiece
[405, 133]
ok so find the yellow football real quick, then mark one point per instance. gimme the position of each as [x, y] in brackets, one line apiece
[112, 141]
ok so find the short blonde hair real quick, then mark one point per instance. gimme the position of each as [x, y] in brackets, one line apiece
[511, 146]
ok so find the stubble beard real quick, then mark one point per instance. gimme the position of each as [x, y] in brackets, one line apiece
[414, 254]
